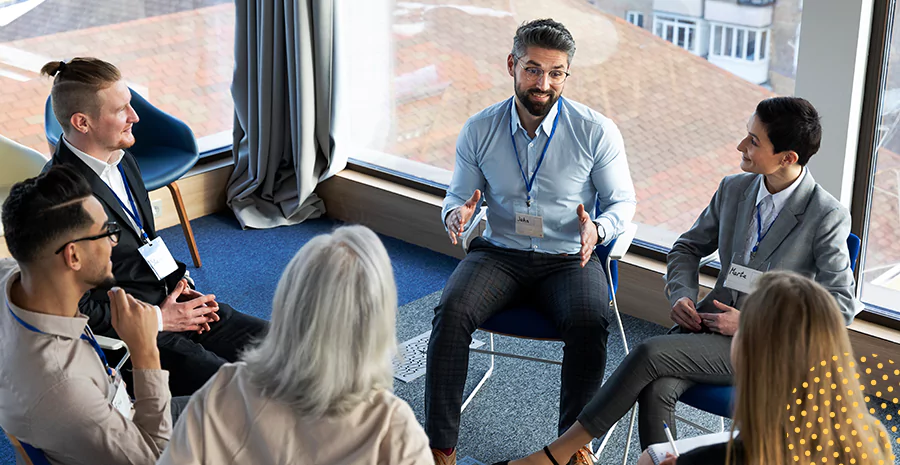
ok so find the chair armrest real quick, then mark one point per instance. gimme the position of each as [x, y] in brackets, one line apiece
[468, 233]
[109, 343]
[623, 242]
[709, 259]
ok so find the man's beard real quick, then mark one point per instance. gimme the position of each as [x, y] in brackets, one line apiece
[539, 110]
[105, 283]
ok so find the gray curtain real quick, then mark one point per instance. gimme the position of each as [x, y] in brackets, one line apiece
[282, 92]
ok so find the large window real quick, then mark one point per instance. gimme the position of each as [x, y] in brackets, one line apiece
[739, 42]
[178, 54]
[679, 31]
[415, 71]
[880, 274]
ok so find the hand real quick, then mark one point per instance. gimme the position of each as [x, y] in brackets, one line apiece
[670, 460]
[135, 322]
[188, 315]
[685, 314]
[457, 219]
[725, 323]
[190, 294]
[589, 235]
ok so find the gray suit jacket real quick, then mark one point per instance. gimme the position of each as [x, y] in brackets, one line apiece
[808, 237]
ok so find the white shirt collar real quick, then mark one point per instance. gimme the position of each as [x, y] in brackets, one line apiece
[98, 166]
[780, 198]
[546, 124]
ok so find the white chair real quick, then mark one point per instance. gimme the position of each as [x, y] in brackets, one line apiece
[19, 163]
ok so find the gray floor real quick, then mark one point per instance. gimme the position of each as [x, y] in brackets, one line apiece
[515, 413]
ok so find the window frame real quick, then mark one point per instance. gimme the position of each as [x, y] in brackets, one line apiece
[865, 164]
[690, 25]
[635, 17]
[760, 42]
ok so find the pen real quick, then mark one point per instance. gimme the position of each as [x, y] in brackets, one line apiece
[671, 441]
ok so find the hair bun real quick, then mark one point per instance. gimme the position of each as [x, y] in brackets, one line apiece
[60, 68]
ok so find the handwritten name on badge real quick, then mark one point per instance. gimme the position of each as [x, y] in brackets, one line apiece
[741, 278]
[529, 225]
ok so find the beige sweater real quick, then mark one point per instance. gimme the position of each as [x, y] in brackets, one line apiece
[227, 421]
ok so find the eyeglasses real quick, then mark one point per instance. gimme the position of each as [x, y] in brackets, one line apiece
[534, 74]
[113, 232]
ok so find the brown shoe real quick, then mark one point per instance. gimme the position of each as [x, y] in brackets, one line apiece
[582, 457]
[441, 459]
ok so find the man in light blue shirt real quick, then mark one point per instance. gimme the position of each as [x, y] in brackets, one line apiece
[543, 162]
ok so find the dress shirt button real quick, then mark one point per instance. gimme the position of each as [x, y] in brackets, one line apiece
[534, 247]
[531, 145]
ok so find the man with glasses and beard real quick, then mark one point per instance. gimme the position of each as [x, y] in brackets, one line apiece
[58, 393]
[542, 162]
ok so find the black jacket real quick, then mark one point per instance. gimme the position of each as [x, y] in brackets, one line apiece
[129, 268]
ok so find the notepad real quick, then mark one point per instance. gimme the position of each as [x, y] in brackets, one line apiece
[657, 452]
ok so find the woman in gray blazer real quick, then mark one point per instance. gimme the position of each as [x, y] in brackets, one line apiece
[772, 216]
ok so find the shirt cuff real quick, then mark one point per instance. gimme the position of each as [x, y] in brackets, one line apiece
[159, 326]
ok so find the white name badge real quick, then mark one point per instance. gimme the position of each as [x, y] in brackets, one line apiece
[741, 278]
[529, 225]
[120, 400]
[157, 255]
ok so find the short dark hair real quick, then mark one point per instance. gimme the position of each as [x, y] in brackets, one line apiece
[792, 123]
[41, 210]
[75, 86]
[543, 33]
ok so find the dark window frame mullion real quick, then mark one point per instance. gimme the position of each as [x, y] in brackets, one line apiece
[864, 177]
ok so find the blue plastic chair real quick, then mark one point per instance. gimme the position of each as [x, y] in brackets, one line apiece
[527, 322]
[26, 454]
[717, 399]
[164, 148]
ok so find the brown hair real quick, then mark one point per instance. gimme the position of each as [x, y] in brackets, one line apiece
[798, 395]
[75, 86]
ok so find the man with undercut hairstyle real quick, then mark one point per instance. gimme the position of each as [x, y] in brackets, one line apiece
[198, 334]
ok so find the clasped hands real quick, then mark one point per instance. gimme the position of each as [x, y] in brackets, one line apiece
[686, 315]
[457, 219]
[185, 309]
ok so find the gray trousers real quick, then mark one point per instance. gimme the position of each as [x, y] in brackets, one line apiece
[488, 280]
[655, 374]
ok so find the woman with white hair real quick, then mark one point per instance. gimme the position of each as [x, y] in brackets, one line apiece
[317, 388]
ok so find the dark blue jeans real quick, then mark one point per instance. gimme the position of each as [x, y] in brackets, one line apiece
[488, 280]
[192, 358]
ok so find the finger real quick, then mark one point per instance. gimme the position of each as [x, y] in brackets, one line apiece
[452, 236]
[213, 317]
[114, 295]
[473, 200]
[688, 320]
[200, 301]
[582, 214]
[722, 306]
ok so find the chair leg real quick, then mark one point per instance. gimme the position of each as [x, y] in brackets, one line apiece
[484, 379]
[185, 223]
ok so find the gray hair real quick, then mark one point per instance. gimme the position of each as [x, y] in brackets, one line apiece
[332, 334]
[543, 33]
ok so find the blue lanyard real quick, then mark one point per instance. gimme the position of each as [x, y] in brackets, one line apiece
[136, 216]
[759, 234]
[87, 336]
[530, 183]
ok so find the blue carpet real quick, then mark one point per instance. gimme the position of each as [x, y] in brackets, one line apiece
[242, 267]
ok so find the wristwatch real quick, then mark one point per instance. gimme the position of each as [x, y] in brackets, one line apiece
[601, 233]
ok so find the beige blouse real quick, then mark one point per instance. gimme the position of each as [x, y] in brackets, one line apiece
[228, 421]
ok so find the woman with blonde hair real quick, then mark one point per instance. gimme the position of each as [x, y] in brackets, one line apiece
[317, 388]
[798, 396]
